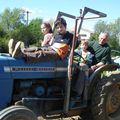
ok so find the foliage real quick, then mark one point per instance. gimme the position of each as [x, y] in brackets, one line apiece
[3, 45]
[22, 34]
[34, 28]
[2, 32]
[10, 20]
[100, 26]
[13, 25]
[94, 36]
[114, 29]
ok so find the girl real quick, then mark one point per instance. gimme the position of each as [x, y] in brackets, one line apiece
[46, 29]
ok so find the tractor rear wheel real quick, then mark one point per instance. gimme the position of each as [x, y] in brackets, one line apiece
[17, 113]
[106, 98]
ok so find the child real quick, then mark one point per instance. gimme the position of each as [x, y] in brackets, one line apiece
[46, 29]
[83, 57]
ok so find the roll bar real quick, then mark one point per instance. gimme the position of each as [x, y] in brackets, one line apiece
[70, 61]
[82, 15]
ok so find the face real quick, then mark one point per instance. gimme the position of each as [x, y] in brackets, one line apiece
[84, 46]
[103, 38]
[61, 28]
[44, 29]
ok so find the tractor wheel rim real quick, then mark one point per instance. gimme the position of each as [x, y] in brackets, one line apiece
[113, 100]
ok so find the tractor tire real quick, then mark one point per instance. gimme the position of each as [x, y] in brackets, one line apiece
[106, 98]
[17, 113]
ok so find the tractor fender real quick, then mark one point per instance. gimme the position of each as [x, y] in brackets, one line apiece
[97, 75]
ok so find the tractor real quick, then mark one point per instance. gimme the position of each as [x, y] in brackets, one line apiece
[31, 90]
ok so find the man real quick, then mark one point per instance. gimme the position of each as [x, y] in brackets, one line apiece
[101, 51]
[58, 50]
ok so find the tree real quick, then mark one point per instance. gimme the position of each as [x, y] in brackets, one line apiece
[2, 32]
[12, 25]
[100, 26]
[34, 27]
[10, 20]
[114, 30]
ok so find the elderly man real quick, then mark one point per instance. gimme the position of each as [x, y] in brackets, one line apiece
[101, 51]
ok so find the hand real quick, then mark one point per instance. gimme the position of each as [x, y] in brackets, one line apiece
[78, 36]
[93, 67]
[82, 64]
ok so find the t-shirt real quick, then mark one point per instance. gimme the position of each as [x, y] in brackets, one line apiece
[47, 39]
[61, 43]
[63, 38]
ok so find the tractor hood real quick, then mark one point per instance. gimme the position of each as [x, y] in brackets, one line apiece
[18, 68]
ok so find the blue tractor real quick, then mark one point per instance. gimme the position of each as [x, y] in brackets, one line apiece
[29, 90]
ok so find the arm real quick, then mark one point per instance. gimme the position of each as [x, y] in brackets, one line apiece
[94, 67]
[47, 39]
[106, 59]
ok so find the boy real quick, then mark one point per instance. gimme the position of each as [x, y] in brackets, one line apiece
[83, 57]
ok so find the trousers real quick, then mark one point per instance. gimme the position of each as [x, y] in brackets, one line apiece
[40, 54]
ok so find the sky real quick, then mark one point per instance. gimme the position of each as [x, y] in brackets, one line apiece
[48, 9]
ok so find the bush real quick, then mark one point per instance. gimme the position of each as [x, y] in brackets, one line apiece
[3, 45]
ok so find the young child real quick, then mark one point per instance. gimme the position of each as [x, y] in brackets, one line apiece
[83, 57]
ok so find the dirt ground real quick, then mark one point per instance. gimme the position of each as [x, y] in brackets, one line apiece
[69, 118]
[85, 115]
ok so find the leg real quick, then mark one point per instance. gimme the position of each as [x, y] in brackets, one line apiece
[31, 49]
[86, 74]
[17, 50]
[43, 54]
[86, 83]
[86, 89]
[79, 86]
[36, 55]
[11, 46]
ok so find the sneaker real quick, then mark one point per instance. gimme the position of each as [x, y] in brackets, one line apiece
[11, 46]
[17, 51]
[22, 45]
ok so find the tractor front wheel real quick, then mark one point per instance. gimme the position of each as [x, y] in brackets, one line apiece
[17, 113]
